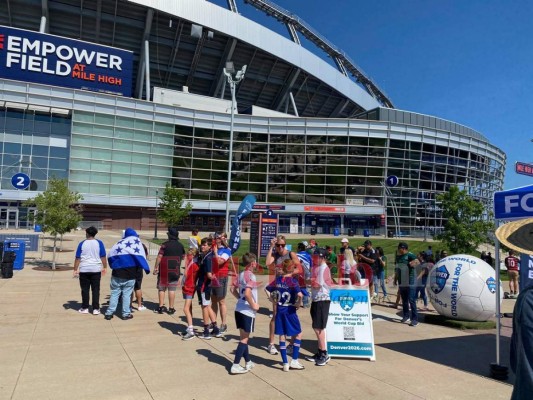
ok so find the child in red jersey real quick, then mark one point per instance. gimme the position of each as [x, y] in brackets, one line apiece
[189, 287]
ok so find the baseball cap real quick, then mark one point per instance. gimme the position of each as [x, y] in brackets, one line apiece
[367, 242]
[305, 243]
[403, 245]
[344, 240]
[320, 253]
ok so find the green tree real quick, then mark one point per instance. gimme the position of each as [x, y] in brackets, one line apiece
[466, 225]
[171, 207]
[58, 210]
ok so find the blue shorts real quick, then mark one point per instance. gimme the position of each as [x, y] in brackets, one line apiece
[287, 322]
[188, 296]
[244, 322]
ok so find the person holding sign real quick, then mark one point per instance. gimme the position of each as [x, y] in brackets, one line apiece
[287, 295]
[245, 290]
[320, 286]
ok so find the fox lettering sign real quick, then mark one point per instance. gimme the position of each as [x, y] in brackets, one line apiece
[53, 60]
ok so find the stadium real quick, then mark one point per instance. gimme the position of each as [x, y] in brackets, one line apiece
[122, 97]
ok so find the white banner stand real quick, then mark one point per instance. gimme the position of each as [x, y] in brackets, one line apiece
[349, 332]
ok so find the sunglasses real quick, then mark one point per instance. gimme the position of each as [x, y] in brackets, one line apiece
[280, 245]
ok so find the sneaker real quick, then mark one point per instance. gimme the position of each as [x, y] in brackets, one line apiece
[96, 311]
[126, 317]
[141, 308]
[322, 360]
[161, 309]
[223, 328]
[83, 311]
[312, 358]
[188, 336]
[272, 349]
[206, 335]
[404, 320]
[249, 365]
[108, 317]
[216, 332]
[295, 364]
[286, 367]
[238, 369]
[413, 323]
[171, 311]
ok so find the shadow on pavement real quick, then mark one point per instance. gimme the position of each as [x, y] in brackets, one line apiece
[467, 353]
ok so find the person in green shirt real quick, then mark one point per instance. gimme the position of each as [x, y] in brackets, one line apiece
[331, 261]
[405, 270]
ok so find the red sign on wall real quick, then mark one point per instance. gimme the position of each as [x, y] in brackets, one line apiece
[523, 168]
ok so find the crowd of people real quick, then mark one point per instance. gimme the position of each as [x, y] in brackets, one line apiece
[299, 279]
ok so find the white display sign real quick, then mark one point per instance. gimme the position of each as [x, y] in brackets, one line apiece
[293, 225]
[349, 331]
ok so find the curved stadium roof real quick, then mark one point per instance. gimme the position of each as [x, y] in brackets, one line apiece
[190, 43]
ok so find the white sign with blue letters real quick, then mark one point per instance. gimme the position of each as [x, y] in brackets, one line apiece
[349, 332]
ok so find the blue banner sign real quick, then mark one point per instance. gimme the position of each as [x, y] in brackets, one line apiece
[53, 60]
[514, 203]
[526, 271]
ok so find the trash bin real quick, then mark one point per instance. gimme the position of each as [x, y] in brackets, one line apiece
[336, 231]
[350, 232]
[313, 231]
[18, 247]
[366, 233]
[37, 228]
[390, 234]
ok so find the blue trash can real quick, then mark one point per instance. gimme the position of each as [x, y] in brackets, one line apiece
[336, 232]
[19, 248]
[366, 233]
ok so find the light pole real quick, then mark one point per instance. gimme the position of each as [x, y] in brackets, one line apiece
[156, 204]
[228, 71]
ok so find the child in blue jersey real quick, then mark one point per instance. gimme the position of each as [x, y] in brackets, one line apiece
[287, 295]
[245, 290]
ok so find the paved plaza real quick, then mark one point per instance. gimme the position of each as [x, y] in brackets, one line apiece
[50, 351]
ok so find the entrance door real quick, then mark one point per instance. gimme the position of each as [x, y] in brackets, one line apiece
[9, 218]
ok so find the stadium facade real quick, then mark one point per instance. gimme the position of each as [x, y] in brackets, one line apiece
[122, 97]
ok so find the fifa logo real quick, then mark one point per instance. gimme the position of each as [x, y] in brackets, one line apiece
[438, 279]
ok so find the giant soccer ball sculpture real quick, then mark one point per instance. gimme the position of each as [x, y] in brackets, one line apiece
[463, 287]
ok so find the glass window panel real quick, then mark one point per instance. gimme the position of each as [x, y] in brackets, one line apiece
[104, 119]
[82, 128]
[219, 165]
[13, 125]
[140, 147]
[221, 135]
[162, 149]
[59, 152]
[119, 144]
[142, 158]
[95, 188]
[40, 151]
[138, 191]
[161, 160]
[82, 116]
[220, 175]
[121, 156]
[157, 171]
[143, 136]
[102, 166]
[118, 179]
[58, 163]
[164, 139]
[203, 133]
[165, 128]
[119, 190]
[123, 133]
[106, 131]
[101, 154]
[80, 152]
[144, 125]
[80, 176]
[100, 178]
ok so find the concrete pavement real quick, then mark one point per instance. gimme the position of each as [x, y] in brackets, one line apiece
[50, 351]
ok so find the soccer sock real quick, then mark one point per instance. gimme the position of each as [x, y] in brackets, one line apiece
[190, 328]
[239, 352]
[283, 351]
[296, 349]
[246, 354]
[206, 328]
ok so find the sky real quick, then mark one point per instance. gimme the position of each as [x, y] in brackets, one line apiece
[468, 61]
